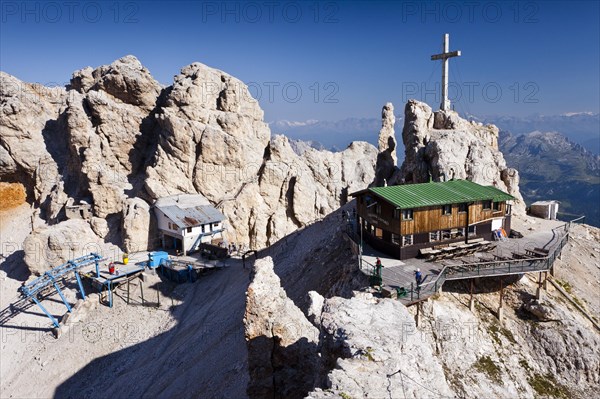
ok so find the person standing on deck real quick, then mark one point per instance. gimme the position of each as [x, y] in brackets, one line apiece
[378, 267]
[418, 277]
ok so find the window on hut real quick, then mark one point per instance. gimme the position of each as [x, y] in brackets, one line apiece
[447, 210]
[407, 240]
[396, 214]
[496, 206]
[487, 204]
[462, 208]
[407, 214]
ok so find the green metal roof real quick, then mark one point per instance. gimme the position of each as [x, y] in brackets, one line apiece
[409, 196]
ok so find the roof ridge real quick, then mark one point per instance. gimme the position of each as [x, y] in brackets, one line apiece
[418, 195]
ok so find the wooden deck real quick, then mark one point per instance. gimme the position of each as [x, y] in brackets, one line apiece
[532, 253]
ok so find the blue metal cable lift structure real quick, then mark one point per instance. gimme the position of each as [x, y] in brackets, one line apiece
[51, 279]
[199, 239]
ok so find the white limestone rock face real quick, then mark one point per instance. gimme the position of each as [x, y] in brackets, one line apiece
[115, 133]
[282, 344]
[213, 141]
[29, 145]
[136, 225]
[379, 352]
[125, 79]
[442, 146]
[212, 136]
[100, 227]
[387, 158]
[51, 246]
[387, 135]
[353, 347]
[545, 344]
[107, 129]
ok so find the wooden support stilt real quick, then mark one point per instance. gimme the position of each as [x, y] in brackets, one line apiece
[545, 281]
[142, 289]
[472, 298]
[418, 315]
[538, 291]
[501, 307]
[128, 281]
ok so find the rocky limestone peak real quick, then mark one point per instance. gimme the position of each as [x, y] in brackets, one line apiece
[358, 347]
[442, 146]
[283, 360]
[450, 120]
[387, 138]
[387, 158]
[117, 138]
[29, 121]
[126, 79]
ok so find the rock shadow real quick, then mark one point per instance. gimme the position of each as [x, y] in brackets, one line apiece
[277, 371]
[14, 266]
[481, 285]
[143, 151]
[203, 354]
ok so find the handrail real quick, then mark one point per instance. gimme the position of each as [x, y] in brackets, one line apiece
[576, 220]
[552, 256]
[371, 266]
[548, 259]
[443, 273]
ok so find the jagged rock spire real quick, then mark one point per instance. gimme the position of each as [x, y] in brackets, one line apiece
[387, 158]
[387, 138]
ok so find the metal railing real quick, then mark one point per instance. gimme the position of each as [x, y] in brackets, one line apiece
[560, 234]
[501, 267]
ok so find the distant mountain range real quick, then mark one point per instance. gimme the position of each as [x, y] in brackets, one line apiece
[552, 167]
[556, 155]
[333, 135]
[582, 128]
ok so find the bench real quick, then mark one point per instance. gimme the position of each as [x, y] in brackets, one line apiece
[475, 240]
[520, 255]
[537, 252]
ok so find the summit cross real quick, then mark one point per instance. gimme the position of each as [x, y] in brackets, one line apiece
[445, 105]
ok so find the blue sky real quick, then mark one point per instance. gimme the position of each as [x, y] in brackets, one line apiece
[328, 60]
